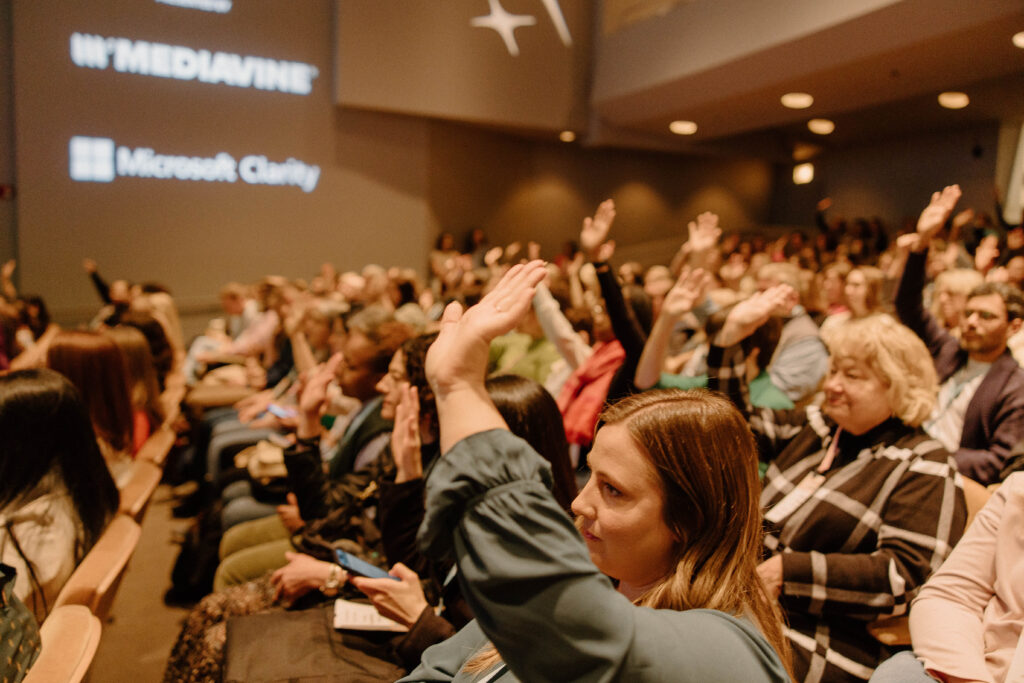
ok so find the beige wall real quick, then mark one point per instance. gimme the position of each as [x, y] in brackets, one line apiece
[521, 190]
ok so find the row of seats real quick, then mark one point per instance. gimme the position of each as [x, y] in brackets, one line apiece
[71, 633]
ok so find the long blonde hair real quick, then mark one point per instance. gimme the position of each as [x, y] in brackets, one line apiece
[706, 460]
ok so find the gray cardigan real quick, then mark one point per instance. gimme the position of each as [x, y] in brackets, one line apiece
[553, 616]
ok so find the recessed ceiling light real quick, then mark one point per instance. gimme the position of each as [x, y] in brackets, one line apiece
[683, 127]
[954, 100]
[796, 100]
[1018, 39]
[803, 173]
[821, 126]
[567, 136]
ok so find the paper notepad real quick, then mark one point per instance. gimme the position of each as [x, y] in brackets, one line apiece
[358, 616]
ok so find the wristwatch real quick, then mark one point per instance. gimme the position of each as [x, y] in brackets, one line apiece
[330, 587]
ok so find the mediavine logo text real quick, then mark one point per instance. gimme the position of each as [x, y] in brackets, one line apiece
[187, 64]
[100, 160]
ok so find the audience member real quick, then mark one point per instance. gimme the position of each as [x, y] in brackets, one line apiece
[645, 519]
[56, 495]
[980, 412]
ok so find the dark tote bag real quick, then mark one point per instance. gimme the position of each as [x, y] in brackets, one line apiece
[304, 647]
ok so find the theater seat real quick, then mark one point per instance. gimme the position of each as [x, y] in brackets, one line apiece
[136, 494]
[70, 636]
[157, 446]
[95, 581]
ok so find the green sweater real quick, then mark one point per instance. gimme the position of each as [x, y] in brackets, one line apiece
[553, 616]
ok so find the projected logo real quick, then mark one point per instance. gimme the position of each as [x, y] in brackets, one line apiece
[218, 6]
[186, 64]
[505, 24]
[100, 160]
[92, 159]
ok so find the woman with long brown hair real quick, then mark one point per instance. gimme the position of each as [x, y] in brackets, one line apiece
[147, 413]
[669, 517]
[96, 367]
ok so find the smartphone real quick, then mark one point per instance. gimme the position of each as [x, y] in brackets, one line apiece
[353, 564]
[281, 412]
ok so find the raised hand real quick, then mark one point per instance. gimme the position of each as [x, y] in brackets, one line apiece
[8, 269]
[605, 252]
[595, 230]
[301, 575]
[986, 253]
[532, 251]
[458, 358]
[688, 290]
[512, 250]
[703, 233]
[937, 212]
[748, 315]
[907, 242]
[401, 601]
[314, 396]
[405, 437]
[89, 265]
[492, 256]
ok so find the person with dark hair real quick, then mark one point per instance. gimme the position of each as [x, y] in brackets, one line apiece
[56, 495]
[979, 417]
[156, 337]
[147, 413]
[96, 367]
[688, 604]
[197, 655]
[321, 504]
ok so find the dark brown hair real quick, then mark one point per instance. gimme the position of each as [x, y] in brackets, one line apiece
[96, 367]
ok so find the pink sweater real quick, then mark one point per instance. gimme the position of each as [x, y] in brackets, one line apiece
[967, 620]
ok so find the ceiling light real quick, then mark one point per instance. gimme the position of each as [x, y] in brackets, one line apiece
[1018, 39]
[683, 127]
[954, 100]
[796, 100]
[821, 126]
[803, 174]
[567, 136]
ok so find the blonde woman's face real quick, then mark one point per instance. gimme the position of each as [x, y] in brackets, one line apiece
[621, 510]
[855, 396]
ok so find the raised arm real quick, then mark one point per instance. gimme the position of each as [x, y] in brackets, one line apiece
[102, 288]
[688, 290]
[702, 239]
[558, 329]
[9, 291]
[909, 306]
[457, 361]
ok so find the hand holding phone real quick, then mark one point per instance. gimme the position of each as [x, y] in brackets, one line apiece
[354, 565]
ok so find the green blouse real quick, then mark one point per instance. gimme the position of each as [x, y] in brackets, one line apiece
[553, 616]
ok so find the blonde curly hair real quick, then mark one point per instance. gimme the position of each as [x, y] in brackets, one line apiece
[897, 356]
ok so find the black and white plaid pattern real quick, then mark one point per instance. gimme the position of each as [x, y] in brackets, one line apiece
[888, 513]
